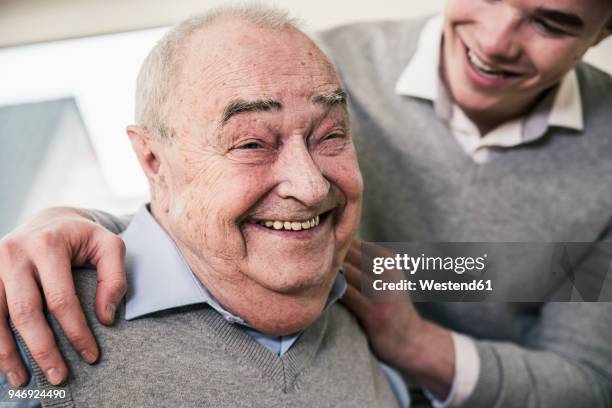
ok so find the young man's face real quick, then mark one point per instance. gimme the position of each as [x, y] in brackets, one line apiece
[501, 54]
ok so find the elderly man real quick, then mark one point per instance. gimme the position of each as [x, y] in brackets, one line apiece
[479, 125]
[233, 268]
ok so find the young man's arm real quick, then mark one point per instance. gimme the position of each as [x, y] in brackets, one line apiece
[564, 360]
[38, 255]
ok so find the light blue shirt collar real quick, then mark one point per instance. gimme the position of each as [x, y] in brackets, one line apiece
[160, 279]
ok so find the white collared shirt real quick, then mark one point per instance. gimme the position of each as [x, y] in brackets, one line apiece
[421, 79]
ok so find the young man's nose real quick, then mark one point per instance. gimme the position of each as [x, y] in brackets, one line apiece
[499, 37]
[300, 177]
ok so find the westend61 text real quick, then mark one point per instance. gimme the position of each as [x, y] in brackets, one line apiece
[432, 285]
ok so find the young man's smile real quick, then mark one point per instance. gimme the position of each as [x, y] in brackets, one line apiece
[500, 56]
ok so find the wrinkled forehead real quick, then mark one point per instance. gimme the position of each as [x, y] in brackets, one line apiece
[229, 62]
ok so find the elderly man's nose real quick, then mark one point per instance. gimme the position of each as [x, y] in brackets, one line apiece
[302, 180]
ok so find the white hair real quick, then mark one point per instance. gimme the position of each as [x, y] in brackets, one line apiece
[159, 71]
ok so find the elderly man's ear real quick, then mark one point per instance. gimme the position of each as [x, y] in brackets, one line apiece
[149, 150]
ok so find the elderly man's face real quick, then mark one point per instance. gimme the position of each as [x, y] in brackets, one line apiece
[262, 177]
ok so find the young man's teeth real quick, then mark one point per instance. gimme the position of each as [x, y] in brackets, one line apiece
[291, 225]
[482, 67]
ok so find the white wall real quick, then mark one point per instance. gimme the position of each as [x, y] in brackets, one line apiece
[28, 21]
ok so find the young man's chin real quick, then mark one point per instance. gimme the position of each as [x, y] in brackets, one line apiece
[478, 103]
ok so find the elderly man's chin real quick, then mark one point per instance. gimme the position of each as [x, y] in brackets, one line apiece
[291, 261]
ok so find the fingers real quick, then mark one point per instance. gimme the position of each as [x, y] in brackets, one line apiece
[361, 255]
[357, 303]
[363, 281]
[109, 258]
[353, 299]
[55, 275]
[44, 248]
[25, 308]
[353, 255]
[360, 251]
[353, 276]
[10, 361]
[374, 250]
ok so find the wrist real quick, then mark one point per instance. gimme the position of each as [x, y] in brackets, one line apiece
[428, 357]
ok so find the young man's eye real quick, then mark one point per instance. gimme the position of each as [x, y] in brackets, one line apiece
[548, 28]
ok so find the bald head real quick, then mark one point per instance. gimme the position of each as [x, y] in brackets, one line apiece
[161, 70]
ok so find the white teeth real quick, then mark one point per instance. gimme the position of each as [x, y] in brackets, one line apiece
[291, 225]
[483, 68]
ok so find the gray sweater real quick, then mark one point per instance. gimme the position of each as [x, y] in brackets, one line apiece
[192, 357]
[421, 186]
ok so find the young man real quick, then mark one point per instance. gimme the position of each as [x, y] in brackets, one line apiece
[482, 125]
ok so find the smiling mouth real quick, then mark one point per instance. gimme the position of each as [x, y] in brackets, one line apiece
[293, 225]
[487, 70]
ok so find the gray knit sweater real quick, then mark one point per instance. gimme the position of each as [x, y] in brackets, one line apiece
[192, 357]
